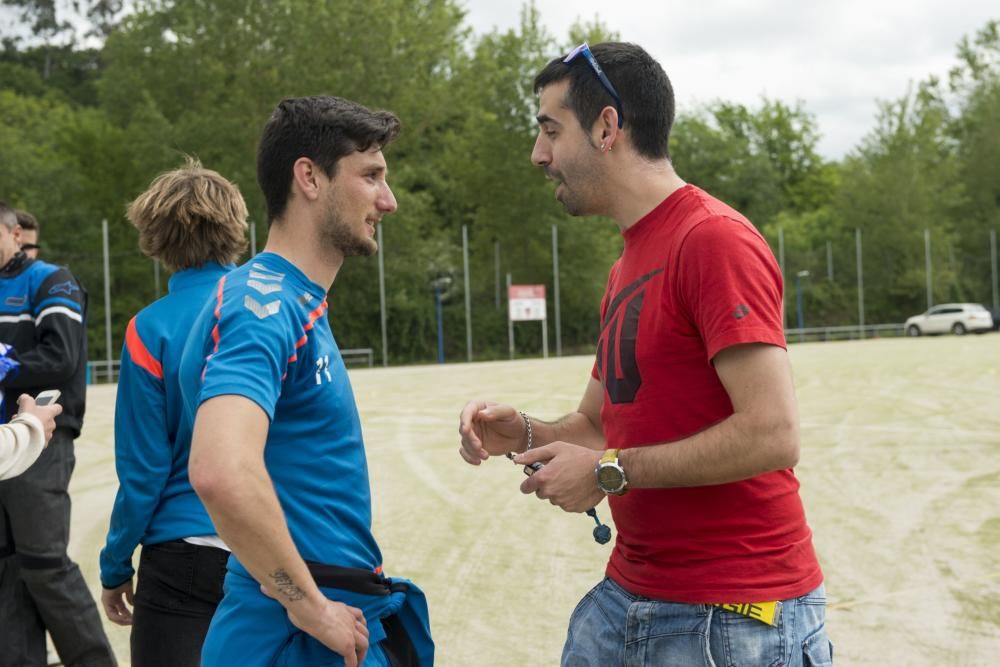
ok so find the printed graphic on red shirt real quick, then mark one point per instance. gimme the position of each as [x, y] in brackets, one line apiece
[616, 360]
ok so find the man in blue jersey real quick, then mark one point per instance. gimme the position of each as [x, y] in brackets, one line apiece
[42, 315]
[194, 221]
[277, 453]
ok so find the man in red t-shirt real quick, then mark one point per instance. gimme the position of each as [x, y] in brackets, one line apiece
[689, 424]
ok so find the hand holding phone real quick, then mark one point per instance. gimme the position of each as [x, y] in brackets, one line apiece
[47, 397]
[44, 407]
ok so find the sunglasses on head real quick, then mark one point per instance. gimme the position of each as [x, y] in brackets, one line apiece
[584, 50]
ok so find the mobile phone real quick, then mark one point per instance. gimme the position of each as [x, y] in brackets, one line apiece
[47, 397]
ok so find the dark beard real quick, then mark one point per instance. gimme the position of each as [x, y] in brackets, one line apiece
[338, 234]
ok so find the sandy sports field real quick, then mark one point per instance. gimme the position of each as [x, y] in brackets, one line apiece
[900, 473]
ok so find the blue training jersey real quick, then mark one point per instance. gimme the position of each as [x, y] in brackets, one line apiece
[266, 337]
[155, 502]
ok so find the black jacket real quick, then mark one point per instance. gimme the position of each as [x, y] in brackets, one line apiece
[43, 314]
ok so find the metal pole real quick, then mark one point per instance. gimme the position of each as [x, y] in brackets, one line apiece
[381, 295]
[861, 285]
[781, 264]
[993, 266]
[829, 261]
[545, 339]
[253, 238]
[468, 296]
[440, 323]
[801, 319]
[156, 276]
[510, 322]
[496, 267]
[798, 304]
[927, 262]
[107, 294]
[555, 284]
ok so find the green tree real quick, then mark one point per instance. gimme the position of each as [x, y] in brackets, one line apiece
[903, 180]
[975, 82]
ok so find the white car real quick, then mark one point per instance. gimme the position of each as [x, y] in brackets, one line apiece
[957, 318]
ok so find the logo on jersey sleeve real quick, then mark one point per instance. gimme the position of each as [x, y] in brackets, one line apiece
[264, 281]
[261, 310]
[66, 288]
[264, 288]
[261, 272]
[616, 360]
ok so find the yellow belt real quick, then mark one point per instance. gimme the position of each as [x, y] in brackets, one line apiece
[765, 612]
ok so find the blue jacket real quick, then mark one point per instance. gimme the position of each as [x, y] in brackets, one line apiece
[155, 501]
[43, 314]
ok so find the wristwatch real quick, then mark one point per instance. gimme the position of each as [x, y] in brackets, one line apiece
[611, 477]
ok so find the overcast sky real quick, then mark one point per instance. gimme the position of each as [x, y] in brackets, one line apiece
[837, 57]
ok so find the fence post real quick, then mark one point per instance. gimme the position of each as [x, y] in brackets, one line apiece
[993, 266]
[927, 262]
[381, 295]
[861, 285]
[468, 297]
[107, 292]
[510, 322]
[829, 261]
[781, 263]
[555, 285]
[496, 268]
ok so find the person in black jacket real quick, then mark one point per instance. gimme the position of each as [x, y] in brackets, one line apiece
[42, 321]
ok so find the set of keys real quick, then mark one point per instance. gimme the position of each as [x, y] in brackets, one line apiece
[602, 533]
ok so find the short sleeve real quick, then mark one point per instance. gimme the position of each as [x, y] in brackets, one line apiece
[249, 351]
[730, 285]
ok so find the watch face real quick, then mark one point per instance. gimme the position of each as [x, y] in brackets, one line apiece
[609, 478]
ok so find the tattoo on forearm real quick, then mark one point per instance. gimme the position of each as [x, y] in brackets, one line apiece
[286, 586]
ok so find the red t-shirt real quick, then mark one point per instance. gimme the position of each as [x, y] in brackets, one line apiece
[695, 278]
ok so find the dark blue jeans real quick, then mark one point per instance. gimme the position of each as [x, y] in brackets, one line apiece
[614, 628]
[179, 586]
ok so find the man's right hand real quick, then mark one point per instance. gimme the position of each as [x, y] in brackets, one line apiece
[114, 606]
[340, 628]
[46, 413]
[488, 429]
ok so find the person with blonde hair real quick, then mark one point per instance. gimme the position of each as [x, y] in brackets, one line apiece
[194, 221]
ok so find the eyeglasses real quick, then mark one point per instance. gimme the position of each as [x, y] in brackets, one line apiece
[584, 50]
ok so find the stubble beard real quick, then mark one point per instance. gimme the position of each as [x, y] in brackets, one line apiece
[337, 234]
[578, 200]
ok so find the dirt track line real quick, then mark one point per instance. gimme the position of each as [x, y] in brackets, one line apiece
[847, 604]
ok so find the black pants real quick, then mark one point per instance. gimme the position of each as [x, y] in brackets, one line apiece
[40, 587]
[179, 587]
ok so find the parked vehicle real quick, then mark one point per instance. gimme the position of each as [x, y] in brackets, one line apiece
[956, 318]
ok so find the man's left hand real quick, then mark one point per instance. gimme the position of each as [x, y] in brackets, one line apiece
[568, 479]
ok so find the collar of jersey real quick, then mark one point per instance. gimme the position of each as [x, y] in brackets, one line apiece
[276, 262]
[651, 220]
[210, 272]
